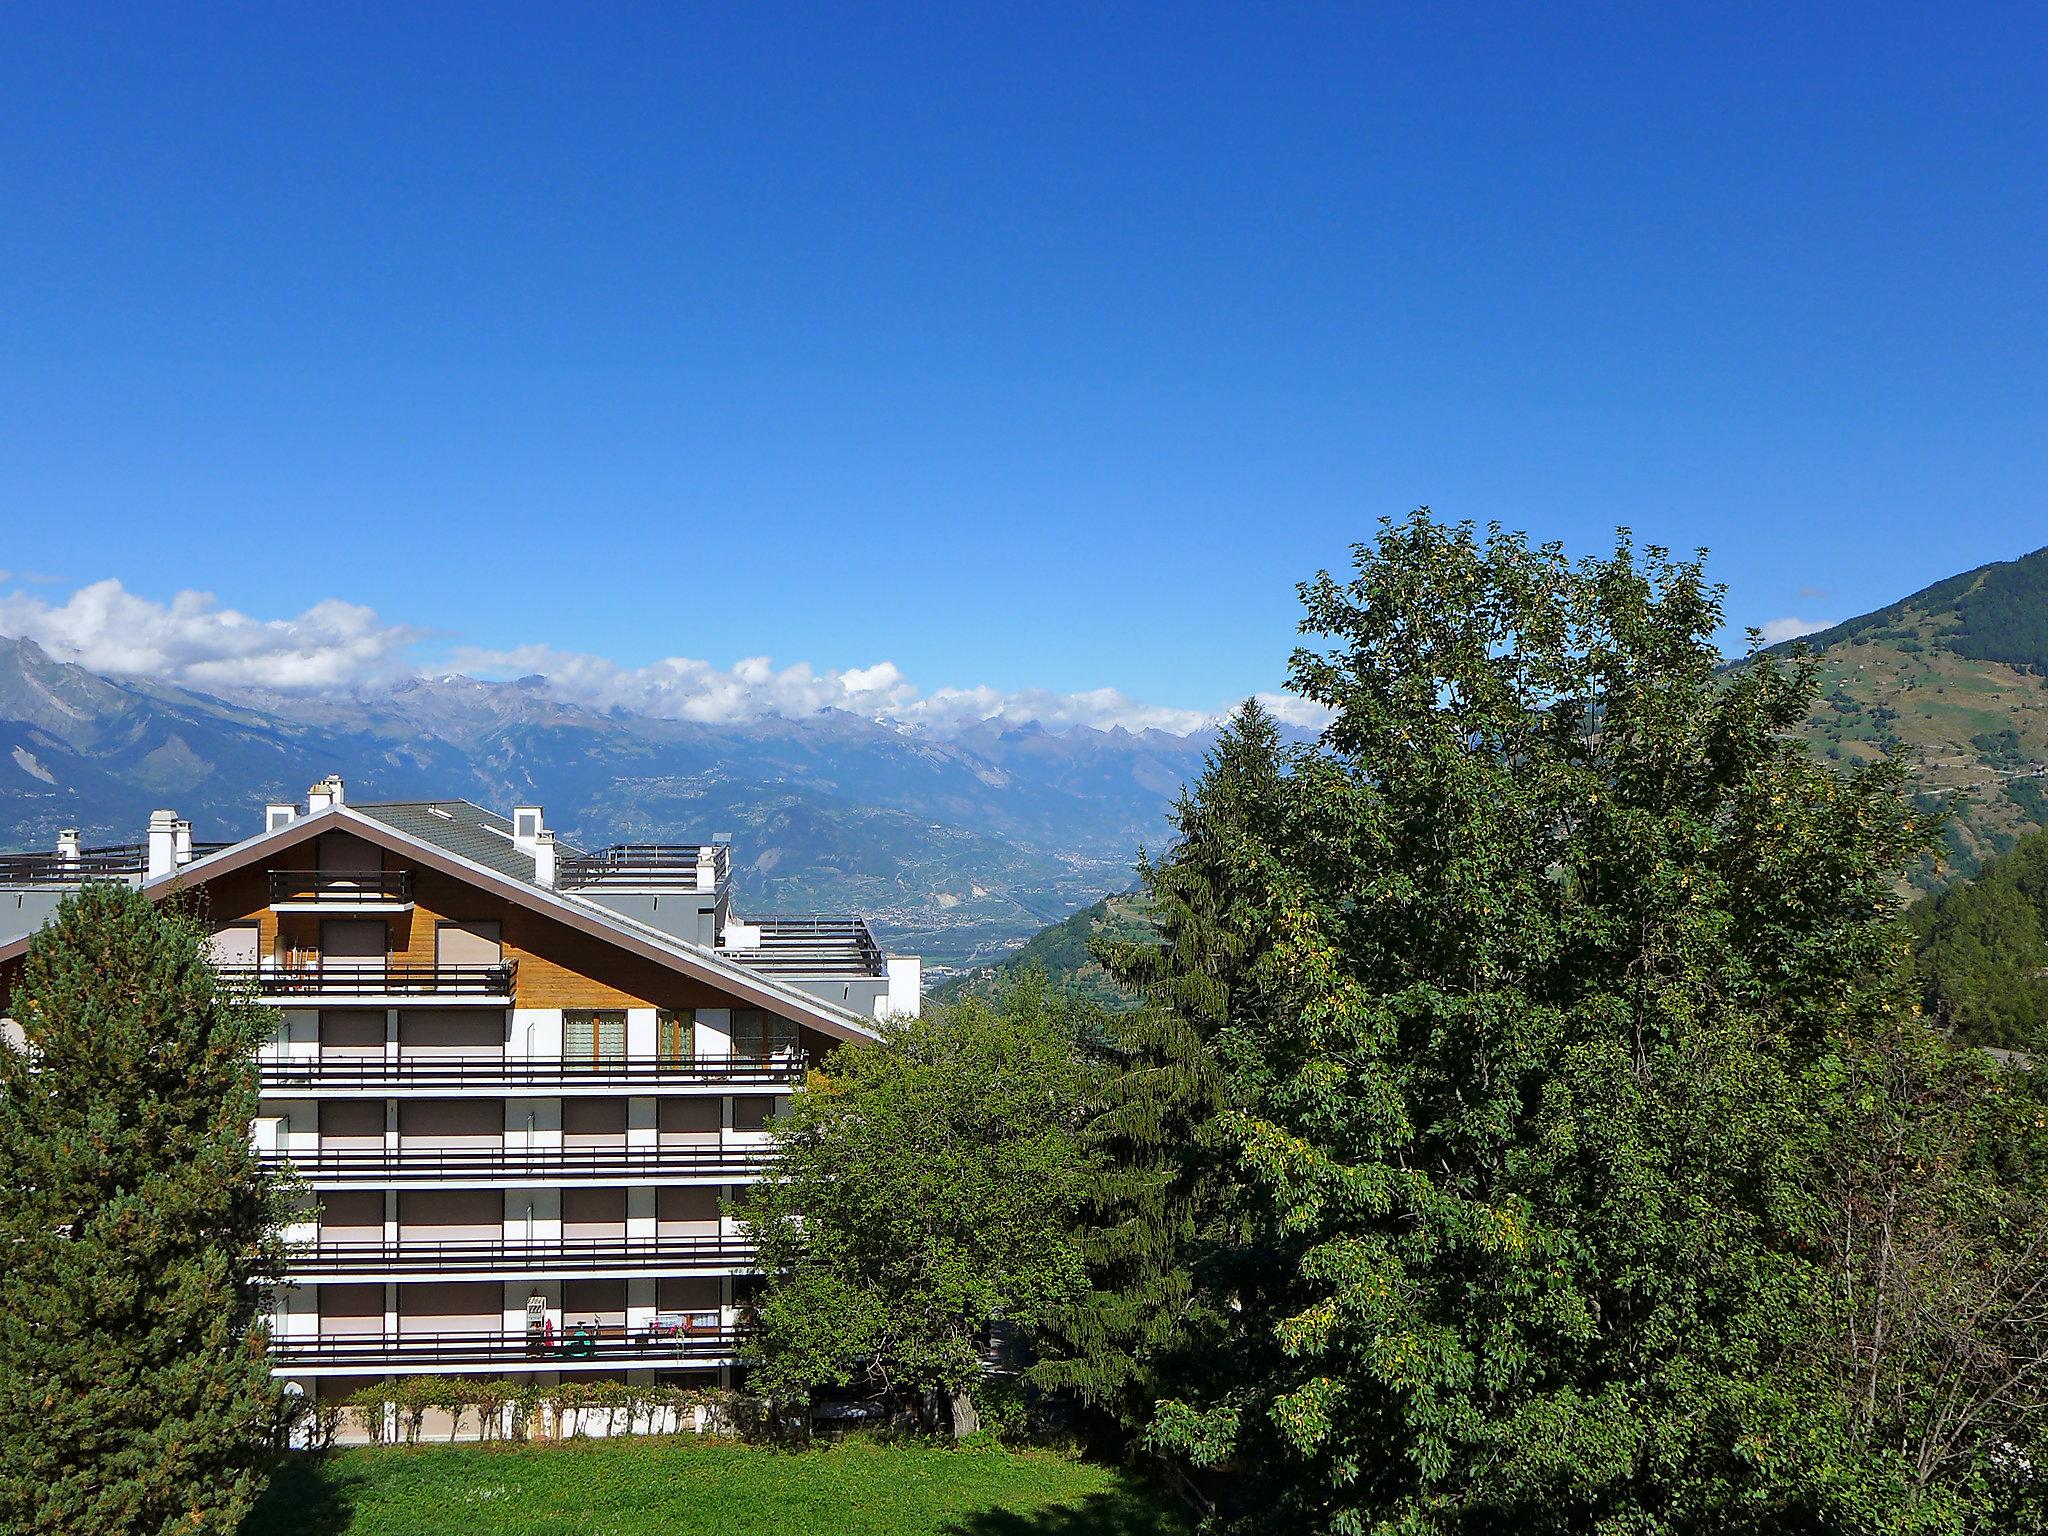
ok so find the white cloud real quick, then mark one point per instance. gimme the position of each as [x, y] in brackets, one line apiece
[1776, 630]
[193, 640]
[684, 688]
[335, 646]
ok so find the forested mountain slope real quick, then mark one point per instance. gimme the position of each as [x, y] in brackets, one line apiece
[1981, 947]
[1952, 681]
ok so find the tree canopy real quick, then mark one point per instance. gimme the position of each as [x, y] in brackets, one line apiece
[1516, 1065]
[924, 1187]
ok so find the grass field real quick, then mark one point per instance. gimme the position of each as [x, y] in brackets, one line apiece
[667, 1487]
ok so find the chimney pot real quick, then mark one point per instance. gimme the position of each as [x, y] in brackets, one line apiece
[68, 847]
[544, 859]
[181, 842]
[163, 844]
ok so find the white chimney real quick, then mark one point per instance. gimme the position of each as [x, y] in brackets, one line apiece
[526, 827]
[163, 843]
[905, 997]
[181, 842]
[319, 797]
[544, 858]
[707, 867]
[332, 784]
[278, 814]
[68, 846]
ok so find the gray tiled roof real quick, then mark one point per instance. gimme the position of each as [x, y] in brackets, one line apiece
[464, 829]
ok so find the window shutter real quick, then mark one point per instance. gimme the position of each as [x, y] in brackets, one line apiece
[675, 1034]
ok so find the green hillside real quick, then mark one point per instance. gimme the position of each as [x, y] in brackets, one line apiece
[1061, 952]
[1953, 681]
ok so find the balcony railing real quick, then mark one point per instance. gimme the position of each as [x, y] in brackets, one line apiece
[457, 1073]
[374, 980]
[650, 866]
[377, 1166]
[813, 945]
[127, 862]
[536, 1259]
[306, 887]
[572, 1346]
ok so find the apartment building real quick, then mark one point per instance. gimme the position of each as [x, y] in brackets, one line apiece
[518, 1077]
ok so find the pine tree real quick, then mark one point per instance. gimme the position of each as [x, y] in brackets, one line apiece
[138, 1229]
[1167, 1244]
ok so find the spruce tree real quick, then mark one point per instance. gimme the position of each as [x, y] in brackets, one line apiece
[1168, 1236]
[138, 1229]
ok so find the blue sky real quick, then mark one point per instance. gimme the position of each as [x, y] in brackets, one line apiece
[1022, 348]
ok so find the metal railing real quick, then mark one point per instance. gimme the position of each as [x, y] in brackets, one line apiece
[374, 980]
[456, 1073]
[540, 1165]
[513, 1256]
[661, 866]
[573, 1345]
[307, 885]
[813, 944]
[125, 862]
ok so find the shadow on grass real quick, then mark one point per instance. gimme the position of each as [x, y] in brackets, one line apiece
[1126, 1512]
[308, 1496]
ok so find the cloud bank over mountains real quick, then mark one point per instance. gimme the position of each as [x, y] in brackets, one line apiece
[338, 646]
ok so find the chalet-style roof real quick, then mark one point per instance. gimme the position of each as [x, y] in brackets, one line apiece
[473, 844]
[464, 828]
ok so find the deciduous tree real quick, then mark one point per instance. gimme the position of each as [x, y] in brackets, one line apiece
[923, 1189]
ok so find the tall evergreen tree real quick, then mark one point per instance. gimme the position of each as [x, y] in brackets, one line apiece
[1168, 1235]
[138, 1231]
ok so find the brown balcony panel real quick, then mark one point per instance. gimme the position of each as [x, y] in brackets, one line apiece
[306, 887]
[541, 1165]
[374, 980]
[566, 1348]
[497, 1071]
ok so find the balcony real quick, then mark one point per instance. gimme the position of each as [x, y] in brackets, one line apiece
[126, 862]
[496, 1258]
[494, 1167]
[375, 985]
[306, 890]
[377, 1353]
[649, 867]
[387, 1076]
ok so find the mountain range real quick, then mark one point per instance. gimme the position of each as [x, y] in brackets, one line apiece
[957, 847]
[1953, 682]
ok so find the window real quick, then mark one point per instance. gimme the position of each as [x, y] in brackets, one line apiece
[751, 1112]
[675, 1034]
[758, 1035]
[590, 1036]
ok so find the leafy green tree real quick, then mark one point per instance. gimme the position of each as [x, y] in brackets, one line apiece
[1167, 1236]
[138, 1229]
[1533, 1075]
[923, 1188]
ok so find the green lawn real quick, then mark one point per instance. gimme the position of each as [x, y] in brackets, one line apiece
[649, 1487]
